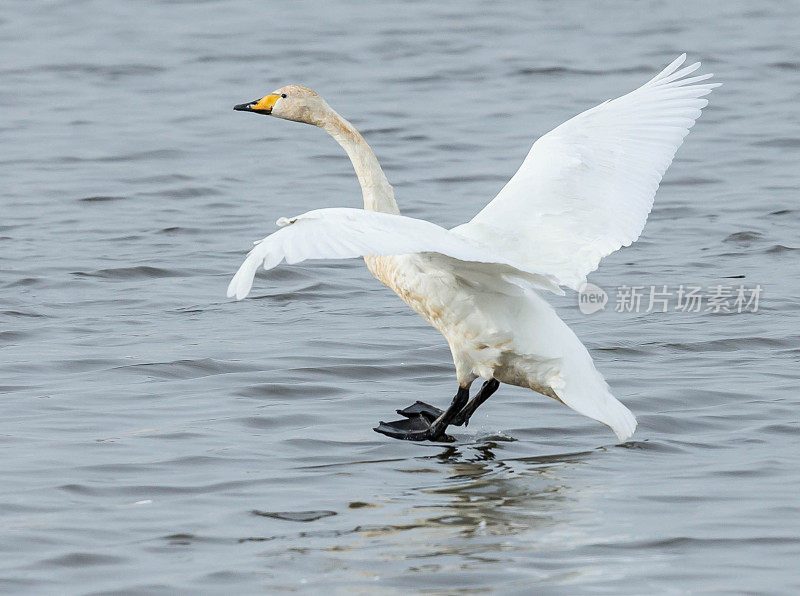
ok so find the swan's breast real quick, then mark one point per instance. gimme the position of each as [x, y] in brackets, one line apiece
[478, 325]
[441, 299]
[424, 291]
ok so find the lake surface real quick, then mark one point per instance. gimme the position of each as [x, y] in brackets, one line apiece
[158, 438]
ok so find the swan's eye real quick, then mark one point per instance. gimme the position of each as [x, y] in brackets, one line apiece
[283, 95]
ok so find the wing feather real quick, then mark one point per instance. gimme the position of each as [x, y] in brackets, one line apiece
[586, 188]
[340, 233]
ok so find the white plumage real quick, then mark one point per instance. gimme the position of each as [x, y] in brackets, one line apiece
[584, 190]
[342, 233]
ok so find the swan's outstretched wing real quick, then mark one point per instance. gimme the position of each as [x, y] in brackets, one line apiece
[586, 188]
[340, 233]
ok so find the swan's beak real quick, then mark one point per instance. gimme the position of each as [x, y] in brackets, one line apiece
[259, 106]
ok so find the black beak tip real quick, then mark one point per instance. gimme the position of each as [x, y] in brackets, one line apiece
[243, 107]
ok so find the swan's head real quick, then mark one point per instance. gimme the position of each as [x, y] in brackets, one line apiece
[292, 102]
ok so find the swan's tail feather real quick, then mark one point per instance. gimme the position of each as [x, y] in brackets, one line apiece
[578, 384]
[588, 394]
[624, 424]
[618, 418]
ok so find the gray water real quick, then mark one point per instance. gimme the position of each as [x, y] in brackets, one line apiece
[157, 437]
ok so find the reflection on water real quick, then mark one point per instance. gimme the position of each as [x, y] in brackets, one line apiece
[466, 512]
[490, 497]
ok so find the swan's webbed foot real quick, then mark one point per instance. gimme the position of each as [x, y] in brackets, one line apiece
[421, 408]
[424, 422]
[415, 427]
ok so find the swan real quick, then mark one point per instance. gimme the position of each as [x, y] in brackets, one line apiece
[584, 190]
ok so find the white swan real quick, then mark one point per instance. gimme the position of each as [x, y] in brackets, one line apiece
[584, 190]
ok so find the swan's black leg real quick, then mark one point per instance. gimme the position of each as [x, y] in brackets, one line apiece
[420, 413]
[485, 393]
[440, 425]
[423, 422]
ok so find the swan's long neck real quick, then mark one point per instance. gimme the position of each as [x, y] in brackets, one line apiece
[375, 188]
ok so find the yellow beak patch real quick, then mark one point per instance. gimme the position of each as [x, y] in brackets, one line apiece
[259, 106]
[265, 103]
